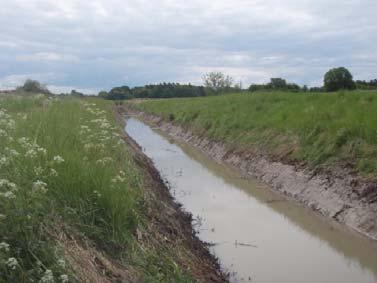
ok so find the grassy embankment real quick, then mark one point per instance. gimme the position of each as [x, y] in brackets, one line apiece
[66, 175]
[319, 129]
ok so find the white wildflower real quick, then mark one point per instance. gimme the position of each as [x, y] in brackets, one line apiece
[11, 124]
[104, 125]
[58, 159]
[3, 161]
[97, 193]
[61, 263]
[12, 263]
[119, 178]
[42, 150]
[31, 153]
[64, 278]
[4, 246]
[38, 171]
[3, 133]
[104, 133]
[9, 195]
[84, 129]
[88, 146]
[8, 185]
[3, 183]
[104, 139]
[104, 160]
[53, 172]
[48, 277]
[40, 186]
[12, 152]
[24, 142]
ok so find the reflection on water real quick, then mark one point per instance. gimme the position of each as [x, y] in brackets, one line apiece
[256, 234]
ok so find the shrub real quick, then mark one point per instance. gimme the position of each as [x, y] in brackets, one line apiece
[35, 87]
[337, 79]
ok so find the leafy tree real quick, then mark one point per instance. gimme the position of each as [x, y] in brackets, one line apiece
[275, 84]
[293, 87]
[120, 93]
[371, 85]
[34, 86]
[76, 93]
[238, 86]
[256, 87]
[103, 94]
[316, 89]
[338, 78]
[217, 81]
[278, 83]
[163, 90]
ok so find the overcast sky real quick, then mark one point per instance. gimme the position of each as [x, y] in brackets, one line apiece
[98, 44]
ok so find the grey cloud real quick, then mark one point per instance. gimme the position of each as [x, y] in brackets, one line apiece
[98, 44]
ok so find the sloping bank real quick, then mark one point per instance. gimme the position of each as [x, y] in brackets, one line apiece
[339, 194]
[79, 202]
[170, 227]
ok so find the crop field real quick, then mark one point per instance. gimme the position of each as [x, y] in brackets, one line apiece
[319, 129]
[65, 170]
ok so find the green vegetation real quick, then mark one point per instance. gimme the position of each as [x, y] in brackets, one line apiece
[33, 86]
[277, 84]
[371, 85]
[320, 129]
[216, 83]
[164, 90]
[337, 79]
[65, 170]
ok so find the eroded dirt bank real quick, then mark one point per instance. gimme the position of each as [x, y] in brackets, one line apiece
[340, 194]
[170, 228]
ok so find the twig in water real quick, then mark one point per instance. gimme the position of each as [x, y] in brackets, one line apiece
[236, 243]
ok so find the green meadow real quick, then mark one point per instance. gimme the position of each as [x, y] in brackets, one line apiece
[319, 129]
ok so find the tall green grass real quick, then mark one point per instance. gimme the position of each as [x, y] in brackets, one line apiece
[64, 168]
[320, 128]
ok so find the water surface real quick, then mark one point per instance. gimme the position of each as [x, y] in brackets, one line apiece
[257, 235]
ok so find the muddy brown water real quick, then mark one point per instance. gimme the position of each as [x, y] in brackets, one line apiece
[257, 235]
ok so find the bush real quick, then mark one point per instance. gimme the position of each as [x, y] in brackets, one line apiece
[35, 87]
[337, 79]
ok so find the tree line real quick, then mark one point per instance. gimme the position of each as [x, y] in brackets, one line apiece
[217, 83]
[335, 79]
[162, 90]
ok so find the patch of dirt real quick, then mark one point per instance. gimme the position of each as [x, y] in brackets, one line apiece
[91, 265]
